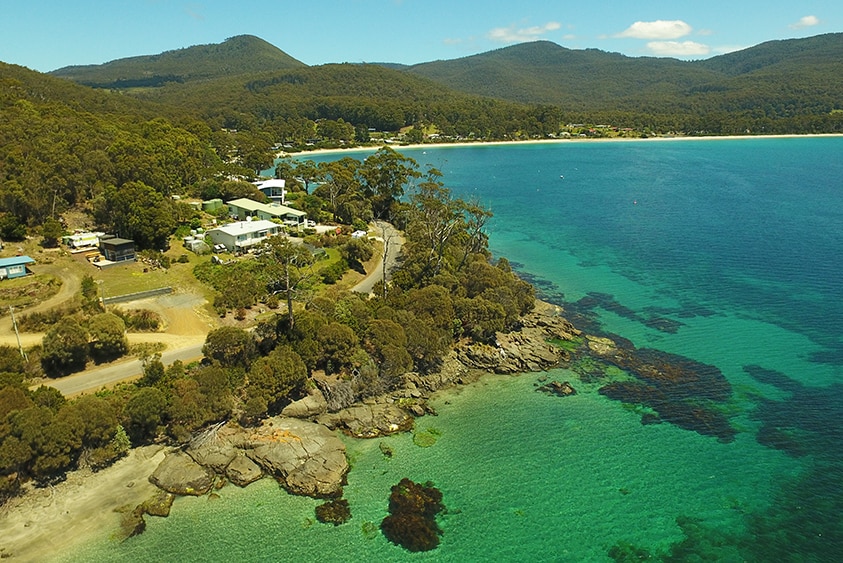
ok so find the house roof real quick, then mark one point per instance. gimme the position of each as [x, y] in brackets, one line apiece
[275, 210]
[273, 183]
[15, 261]
[245, 227]
[114, 241]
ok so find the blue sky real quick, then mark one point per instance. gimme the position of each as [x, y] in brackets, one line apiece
[48, 34]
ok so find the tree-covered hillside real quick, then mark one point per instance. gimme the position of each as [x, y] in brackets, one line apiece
[524, 91]
[242, 54]
[63, 145]
[581, 80]
[365, 96]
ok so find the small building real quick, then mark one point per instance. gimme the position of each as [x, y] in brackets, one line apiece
[243, 208]
[273, 189]
[117, 249]
[81, 239]
[211, 205]
[238, 237]
[14, 267]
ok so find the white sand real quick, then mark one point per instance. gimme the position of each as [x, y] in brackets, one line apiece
[399, 147]
[45, 522]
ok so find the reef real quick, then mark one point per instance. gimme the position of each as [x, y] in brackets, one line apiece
[411, 522]
[799, 424]
[680, 390]
[683, 413]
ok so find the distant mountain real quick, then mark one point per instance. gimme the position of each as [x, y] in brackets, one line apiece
[542, 72]
[244, 54]
[820, 50]
[521, 90]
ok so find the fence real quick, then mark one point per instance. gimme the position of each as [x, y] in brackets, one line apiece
[138, 295]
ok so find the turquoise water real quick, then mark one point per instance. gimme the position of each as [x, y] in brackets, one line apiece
[737, 247]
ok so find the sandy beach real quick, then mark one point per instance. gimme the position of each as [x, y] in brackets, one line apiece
[44, 522]
[664, 138]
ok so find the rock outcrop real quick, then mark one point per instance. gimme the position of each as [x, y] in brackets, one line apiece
[180, 475]
[527, 349]
[312, 405]
[307, 458]
[243, 471]
[369, 421]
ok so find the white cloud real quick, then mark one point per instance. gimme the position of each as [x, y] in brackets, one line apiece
[807, 21]
[677, 48]
[659, 29]
[512, 35]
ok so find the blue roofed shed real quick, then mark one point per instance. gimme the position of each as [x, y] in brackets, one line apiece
[14, 267]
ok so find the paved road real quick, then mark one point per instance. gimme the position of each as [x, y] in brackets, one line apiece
[394, 241]
[94, 379]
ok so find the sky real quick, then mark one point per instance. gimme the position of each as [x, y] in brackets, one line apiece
[45, 35]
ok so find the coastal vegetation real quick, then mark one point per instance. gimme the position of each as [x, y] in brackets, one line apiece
[447, 289]
[119, 158]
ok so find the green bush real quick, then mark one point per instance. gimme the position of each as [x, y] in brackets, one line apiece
[333, 273]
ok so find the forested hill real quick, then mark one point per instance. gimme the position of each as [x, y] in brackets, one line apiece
[243, 54]
[810, 54]
[801, 70]
[544, 72]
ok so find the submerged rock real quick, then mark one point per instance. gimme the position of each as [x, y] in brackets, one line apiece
[559, 389]
[159, 504]
[132, 523]
[411, 522]
[334, 512]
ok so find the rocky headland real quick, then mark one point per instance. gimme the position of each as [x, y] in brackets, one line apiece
[300, 447]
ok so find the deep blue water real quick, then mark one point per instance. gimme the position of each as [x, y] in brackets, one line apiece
[726, 252]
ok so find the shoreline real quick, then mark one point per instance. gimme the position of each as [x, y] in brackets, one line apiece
[37, 525]
[464, 144]
[33, 525]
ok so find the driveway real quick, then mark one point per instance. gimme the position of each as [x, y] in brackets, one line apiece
[393, 242]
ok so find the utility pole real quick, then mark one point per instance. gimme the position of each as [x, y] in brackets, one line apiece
[17, 334]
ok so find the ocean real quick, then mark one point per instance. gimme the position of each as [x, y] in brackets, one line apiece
[724, 252]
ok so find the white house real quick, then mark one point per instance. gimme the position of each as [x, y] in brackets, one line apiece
[274, 189]
[82, 240]
[238, 237]
[244, 207]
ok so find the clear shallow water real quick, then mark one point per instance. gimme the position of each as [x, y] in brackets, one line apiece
[737, 243]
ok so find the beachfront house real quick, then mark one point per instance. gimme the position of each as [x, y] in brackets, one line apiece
[243, 208]
[273, 189]
[14, 267]
[238, 237]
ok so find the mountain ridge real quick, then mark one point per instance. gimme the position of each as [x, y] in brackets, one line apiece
[241, 54]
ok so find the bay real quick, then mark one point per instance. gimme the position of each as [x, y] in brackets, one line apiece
[728, 252]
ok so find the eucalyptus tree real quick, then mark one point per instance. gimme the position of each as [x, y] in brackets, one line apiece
[384, 176]
[308, 172]
[341, 188]
[288, 266]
